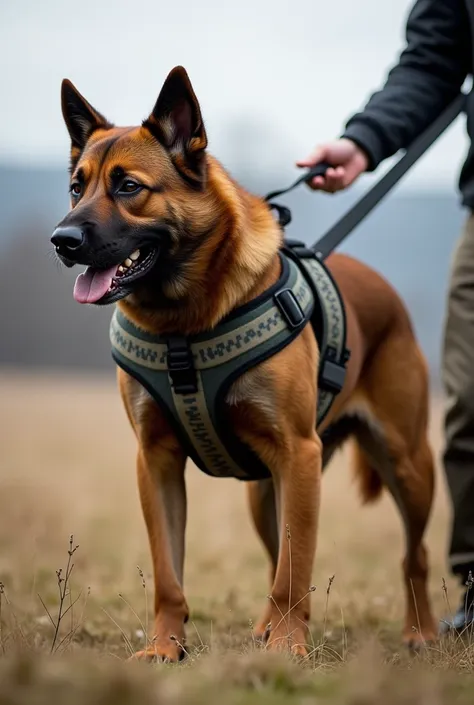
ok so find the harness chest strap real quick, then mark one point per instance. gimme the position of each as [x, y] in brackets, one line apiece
[190, 377]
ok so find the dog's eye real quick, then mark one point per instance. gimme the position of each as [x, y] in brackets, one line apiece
[130, 186]
[75, 189]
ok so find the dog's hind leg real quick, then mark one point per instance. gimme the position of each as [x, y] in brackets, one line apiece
[263, 507]
[393, 443]
[417, 482]
[410, 481]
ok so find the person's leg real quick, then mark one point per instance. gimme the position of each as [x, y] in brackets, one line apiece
[458, 380]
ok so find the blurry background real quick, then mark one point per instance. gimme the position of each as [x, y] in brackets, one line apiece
[273, 77]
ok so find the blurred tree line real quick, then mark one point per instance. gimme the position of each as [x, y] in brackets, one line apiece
[408, 239]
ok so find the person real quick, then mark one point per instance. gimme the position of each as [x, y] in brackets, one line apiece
[430, 72]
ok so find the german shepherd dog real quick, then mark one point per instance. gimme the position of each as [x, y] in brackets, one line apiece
[169, 235]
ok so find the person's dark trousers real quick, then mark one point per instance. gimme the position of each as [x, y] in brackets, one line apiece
[458, 380]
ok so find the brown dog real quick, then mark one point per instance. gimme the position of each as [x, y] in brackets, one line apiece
[194, 245]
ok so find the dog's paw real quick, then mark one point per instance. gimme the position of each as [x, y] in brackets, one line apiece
[292, 642]
[161, 651]
[416, 642]
[261, 631]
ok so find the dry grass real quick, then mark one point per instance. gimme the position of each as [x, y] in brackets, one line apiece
[67, 467]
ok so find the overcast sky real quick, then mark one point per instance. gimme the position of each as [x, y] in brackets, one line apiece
[289, 73]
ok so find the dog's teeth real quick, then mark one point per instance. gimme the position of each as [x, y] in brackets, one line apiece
[135, 255]
[128, 262]
[121, 269]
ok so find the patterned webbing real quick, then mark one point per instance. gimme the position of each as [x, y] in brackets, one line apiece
[194, 415]
[334, 321]
[216, 350]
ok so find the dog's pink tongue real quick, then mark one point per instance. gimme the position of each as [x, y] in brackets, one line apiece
[92, 284]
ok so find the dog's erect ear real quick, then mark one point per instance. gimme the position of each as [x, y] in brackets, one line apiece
[176, 122]
[80, 117]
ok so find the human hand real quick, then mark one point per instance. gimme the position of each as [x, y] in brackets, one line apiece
[348, 162]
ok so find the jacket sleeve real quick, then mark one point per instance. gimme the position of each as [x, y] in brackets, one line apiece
[429, 74]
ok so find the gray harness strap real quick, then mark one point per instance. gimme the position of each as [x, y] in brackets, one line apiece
[209, 363]
[333, 329]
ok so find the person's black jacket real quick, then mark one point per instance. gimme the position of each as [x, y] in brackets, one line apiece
[430, 72]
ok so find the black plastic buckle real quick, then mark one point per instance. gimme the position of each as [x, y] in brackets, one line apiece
[290, 242]
[289, 308]
[299, 248]
[181, 365]
[332, 372]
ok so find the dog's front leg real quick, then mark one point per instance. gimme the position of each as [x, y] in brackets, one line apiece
[163, 499]
[297, 476]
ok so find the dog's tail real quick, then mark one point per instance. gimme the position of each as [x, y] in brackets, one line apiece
[368, 480]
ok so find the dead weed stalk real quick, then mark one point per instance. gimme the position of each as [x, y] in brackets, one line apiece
[64, 589]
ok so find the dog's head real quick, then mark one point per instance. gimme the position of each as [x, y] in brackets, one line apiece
[139, 203]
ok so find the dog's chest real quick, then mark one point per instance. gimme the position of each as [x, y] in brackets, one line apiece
[196, 381]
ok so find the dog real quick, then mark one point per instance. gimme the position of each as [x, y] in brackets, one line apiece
[171, 237]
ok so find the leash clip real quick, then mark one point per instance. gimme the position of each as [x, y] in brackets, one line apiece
[284, 214]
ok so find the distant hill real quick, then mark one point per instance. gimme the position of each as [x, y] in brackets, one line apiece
[409, 239]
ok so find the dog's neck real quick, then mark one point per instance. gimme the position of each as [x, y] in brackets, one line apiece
[236, 261]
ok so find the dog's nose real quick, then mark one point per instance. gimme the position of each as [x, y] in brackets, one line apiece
[67, 238]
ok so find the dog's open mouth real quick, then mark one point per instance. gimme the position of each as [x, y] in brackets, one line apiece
[101, 286]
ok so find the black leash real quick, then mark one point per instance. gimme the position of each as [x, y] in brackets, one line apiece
[340, 230]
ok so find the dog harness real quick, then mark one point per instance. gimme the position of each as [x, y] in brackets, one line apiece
[189, 377]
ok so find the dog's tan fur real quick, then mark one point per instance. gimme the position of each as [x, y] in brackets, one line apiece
[272, 407]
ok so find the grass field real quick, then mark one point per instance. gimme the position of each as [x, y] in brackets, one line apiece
[67, 467]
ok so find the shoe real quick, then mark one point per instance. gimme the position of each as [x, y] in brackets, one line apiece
[464, 617]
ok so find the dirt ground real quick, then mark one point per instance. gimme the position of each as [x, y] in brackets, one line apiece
[67, 467]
